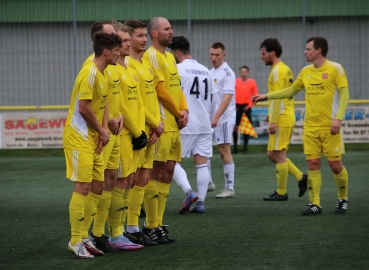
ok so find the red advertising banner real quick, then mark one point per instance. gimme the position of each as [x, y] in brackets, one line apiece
[32, 130]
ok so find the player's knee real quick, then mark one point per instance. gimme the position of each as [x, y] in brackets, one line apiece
[336, 166]
[313, 164]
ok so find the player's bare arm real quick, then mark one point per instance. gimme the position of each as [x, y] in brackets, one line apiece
[259, 97]
[222, 108]
[90, 118]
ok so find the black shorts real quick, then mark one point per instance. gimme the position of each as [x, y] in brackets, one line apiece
[240, 111]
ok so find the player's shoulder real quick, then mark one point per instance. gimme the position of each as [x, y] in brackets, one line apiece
[88, 72]
[228, 72]
[336, 66]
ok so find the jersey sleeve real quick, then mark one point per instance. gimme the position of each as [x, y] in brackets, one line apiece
[87, 84]
[229, 84]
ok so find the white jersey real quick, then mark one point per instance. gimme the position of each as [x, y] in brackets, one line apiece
[225, 83]
[197, 86]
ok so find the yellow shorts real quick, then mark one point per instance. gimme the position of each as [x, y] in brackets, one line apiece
[83, 166]
[128, 157]
[318, 141]
[111, 153]
[169, 147]
[281, 139]
[147, 156]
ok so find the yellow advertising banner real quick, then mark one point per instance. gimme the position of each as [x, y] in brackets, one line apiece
[32, 130]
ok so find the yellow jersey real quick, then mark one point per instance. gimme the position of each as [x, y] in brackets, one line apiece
[281, 111]
[165, 70]
[147, 88]
[133, 113]
[321, 97]
[91, 85]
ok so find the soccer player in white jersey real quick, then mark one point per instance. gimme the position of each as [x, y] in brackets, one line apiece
[225, 114]
[197, 136]
[327, 96]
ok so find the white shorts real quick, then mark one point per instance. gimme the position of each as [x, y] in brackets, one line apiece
[197, 144]
[223, 133]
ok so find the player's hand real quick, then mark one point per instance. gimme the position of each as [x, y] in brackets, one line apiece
[153, 137]
[104, 136]
[160, 129]
[120, 120]
[336, 126]
[100, 146]
[214, 122]
[183, 121]
[266, 119]
[259, 97]
[139, 142]
[246, 108]
[272, 128]
[114, 126]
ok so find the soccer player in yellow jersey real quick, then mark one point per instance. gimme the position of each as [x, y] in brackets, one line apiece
[111, 152]
[327, 96]
[84, 137]
[132, 138]
[281, 119]
[154, 127]
[174, 114]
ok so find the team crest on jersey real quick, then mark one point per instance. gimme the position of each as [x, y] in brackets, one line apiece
[215, 81]
[150, 70]
[325, 76]
[134, 76]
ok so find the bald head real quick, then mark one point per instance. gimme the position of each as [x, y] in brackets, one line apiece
[155, 24]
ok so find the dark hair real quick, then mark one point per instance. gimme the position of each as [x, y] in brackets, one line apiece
[135, 24]
[218, 45]
[105, 41]
[272, 44]
[97, 27]
[245, 67]
[320, 43]
[181, 44]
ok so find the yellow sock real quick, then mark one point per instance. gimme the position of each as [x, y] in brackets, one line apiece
[90, 210]
[115, 212]
[342, 184]
[135, 204]
[126, 199]
[101, 214]
[163, 192]
[282, 174]
[76, 214]
[292, 169]
[315, 182]
[151, 204]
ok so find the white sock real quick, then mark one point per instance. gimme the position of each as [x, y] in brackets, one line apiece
[229, 175]
[209, 168]
[202, 181]
[133, 229]
[180, 176]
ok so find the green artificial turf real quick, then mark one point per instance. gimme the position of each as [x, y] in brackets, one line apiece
[236, 233]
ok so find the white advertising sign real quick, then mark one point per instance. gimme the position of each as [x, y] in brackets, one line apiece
[32, 130]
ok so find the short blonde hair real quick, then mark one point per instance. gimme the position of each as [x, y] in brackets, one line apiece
[121, 27]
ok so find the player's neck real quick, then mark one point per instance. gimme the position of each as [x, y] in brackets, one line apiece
[101, 63]
[159, 47]
[121, 60]
[244, 79]
[319, 62]
[276, 61]
[135, 55]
